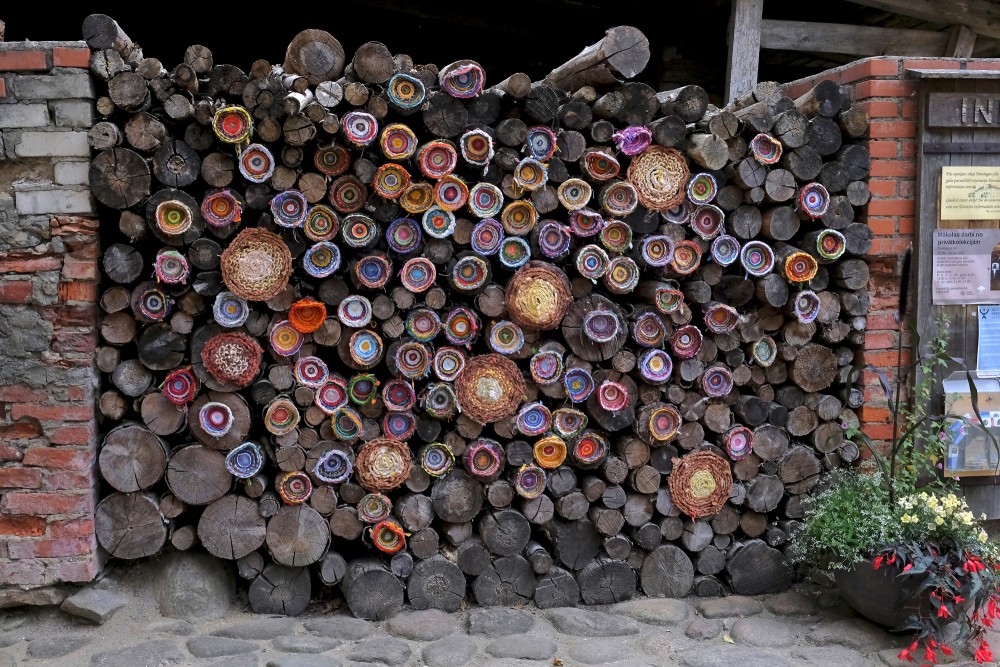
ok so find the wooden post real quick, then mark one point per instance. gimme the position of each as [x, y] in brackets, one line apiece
[744, 47]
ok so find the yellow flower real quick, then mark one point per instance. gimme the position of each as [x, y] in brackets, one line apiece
[939, 521]
[905, 518]
[983, 536]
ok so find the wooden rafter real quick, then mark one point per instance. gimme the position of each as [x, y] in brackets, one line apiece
[982, 16]
[850, 39]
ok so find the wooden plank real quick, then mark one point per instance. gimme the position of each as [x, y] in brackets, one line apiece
[961, 42]
[964, 109]
[960, 147]
[854, 40]
[918, 73]
[744, 47]
[983, 14]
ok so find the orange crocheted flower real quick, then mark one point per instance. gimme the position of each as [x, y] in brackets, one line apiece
[307, 315]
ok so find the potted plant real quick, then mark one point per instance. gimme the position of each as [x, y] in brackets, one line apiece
[904, 548]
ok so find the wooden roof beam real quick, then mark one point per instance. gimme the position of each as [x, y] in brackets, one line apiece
[852, 40]
[982, 16]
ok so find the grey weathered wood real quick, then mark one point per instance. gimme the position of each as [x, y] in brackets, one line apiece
[853, 40]
[436, 583]
[744, 47]
[606, 581]
[575, 543]
[510, 581]
[667, 572]
[129, 525]
[556, 588]
[504, 533]
[281, 590]
[984, 15]
[231, 527]
[756, 569]
[372, 592]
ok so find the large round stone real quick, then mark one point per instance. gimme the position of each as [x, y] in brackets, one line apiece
[193, 586]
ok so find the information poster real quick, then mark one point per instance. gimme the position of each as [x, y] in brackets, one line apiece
[988, 356]
[966, 266]
[970, 193]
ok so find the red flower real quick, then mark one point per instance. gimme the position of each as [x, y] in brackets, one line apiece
[905, 653]
[945, 650]
[983, 654]
[878, 562]
[929, 655]
[943, 611]
[908, 567]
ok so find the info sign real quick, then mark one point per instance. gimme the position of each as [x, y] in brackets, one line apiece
[970, 193]
[966, 266]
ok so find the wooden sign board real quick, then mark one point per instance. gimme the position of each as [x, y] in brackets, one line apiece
[970, 193]
[979, 110]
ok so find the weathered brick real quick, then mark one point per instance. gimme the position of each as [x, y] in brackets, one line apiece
[23, 115]
[20, 478]
[53, 144]
[77, 291]
[882, 226]
[69, 413]
[929, 63]
[74, 571]
[73, 342]
[55, 458]
[71, 528]
[883, 148]
[63, 56]
[79, 394]
[891, 207]
[906, 226]
[877, 431]
[892, 129]
[891, 246]
[7, 452]
[23, 573]
[11, 61]
[77, 546]
[79, 269]
[14, 291]
[68, 481]
[893, 168]
[58, 85]
[880, 109]
[72, 435]
[21, 394]
[72, 113]
[884, 358]
[27, 264]
[54, 200]
[75, 172]
[44, 504]
[879, 88]
[21, 526]
[3, 93]
[868, 68]
[882, 188]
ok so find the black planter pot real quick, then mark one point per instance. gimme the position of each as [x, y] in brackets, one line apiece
[882, 596]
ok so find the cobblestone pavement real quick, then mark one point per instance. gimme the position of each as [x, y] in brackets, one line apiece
[805, 627]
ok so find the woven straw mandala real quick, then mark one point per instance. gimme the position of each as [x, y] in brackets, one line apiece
[700, 484]
[538, 296]
[232, 358]
[660, 176]
[489, 388]
[256, 265]
[383, 464]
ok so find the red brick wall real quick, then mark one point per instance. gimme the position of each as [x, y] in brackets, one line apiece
[881, 87]
[48, 317]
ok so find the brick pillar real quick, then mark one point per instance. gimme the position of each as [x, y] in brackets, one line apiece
[48, 318]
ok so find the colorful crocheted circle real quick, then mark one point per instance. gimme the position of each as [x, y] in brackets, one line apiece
[388, 537]
[334, 467]
[437, 159]
[484, 458]
[569, 422]
[765, 149]
[533, 419]
[668, 300]
[307, 315]
[361, 389]
[359, 127]
[383, 464]
[660, 176]
[437, 459]
[470, 273]
[373, 271]
[312, 372]
[173, 217]
[550, 452]
[399, 425]
[462, 81]
[439, 400]
[622, 276]
[256, 163]
[285, 339]
[814, 200]
[655, 366]
[721, 318]
[233, 124]
[686, 342]
[404, 236]
[355, 311]
[589, 450]
[616, 236]
[152, 304]
[579, 384]
[725, 249]
[418, 274]
[391, 180]
[574, 193]
[448, 363]
[519, 217]
[490, 388]
[830, 244]
[592, 262]
[332, 160]
[171, 267]
[546, 367]
[180, 386]
[289, 208]
[679, 214]
[664, 423]
[506, 337]
[738, 442]
[707, 221]
[619, 198]
[613, 396]
[331, 395]
[757, 258]
[365, 348]
[686, 259]
[229, 310]
[405, 91]
[398, 142]
[601, 325]
[702, 188]
[656, 250]
[398, 395]
[294, 487]
[451, 193]
[764, 351]
[245, 461]
[717, 381]
[648, 330]
[256, 265]
[476, 147]
[554, 239]
[806, 306]
[800, 267]
[423, 324]
[321, 260]
[633, 140]
[487, 236]
[485, 200]
[599, 165]
[530, 174]
[514, 252]
[586, 222]
[348, 194]
[232, 358]
[221, 208]
[461, 326]
[417, 198]
[439, 222]
[215, 419]
[281, 416]
[346, 423]
[374, 507]
[413, 360]
[359, 231]
[540, 143]
[530, 481]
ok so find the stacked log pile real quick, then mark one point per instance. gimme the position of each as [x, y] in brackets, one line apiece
[389, 327]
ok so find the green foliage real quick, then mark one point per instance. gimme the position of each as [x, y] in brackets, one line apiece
[846, 522]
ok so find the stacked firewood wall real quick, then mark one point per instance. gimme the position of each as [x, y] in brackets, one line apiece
[425, 337]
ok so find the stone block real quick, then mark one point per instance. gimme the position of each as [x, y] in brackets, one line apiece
[73, 113]
[24, 115]
[54, 200]
[94, 604]
[61, 85]
[192, 586]
[50, 144]
[72, 172]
